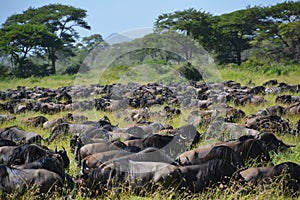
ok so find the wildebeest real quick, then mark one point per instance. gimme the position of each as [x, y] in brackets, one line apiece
[142, 175]
[139, 175]
[49, 163]
[247, 149]
[71, 117]
[95, 160]
[217, 152]
[293, 109]
[19, 136]
[6, 153]
[35, 121]
[146, 155]
[183, 138]
[19, 180]
[136, 142]
[4, 118]
[196, 178]
[27, 153]
[89, 149]
[66, 128]
[52, 123]
[269, 123]
[270, 82]
[273, 110]
[289, 171]
[287, 99]
[272, 143]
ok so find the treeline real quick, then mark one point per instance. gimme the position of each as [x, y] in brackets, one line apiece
[263, 34]
[43, 41]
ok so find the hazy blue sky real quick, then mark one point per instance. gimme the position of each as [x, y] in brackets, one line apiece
[115, 16]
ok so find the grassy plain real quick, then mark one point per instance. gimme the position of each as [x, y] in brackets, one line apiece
[257, 76]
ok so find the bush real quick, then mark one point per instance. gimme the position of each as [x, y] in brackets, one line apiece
[30, 69]
[74, 69]
[190, 72]
[4, 71]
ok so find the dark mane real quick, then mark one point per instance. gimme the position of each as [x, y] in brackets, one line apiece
[3, 171]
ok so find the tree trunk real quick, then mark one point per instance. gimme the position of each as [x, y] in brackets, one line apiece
[53, 69]
[52, 57]
[238, 56]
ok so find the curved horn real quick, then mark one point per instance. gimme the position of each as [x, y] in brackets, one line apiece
[55, 149]
[184, 138]
[63, 148]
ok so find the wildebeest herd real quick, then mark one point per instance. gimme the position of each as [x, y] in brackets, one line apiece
[147, 151]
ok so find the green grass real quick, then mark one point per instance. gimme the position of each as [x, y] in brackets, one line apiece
[289, 74]
[258, 75]
[54, 81]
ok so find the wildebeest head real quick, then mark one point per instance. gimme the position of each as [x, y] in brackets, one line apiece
[252, 149]
[104, 121]
[290, 172]
[272, 143]
[187, 136]
[60, 128]
[285, 99]
[73, 142]
[288, 167]
[99, 176]
[64, 156]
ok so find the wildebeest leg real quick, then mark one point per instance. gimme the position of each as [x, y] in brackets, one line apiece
[78, 146]
[70, 181]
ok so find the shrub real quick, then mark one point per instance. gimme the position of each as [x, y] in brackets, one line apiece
[190, 72]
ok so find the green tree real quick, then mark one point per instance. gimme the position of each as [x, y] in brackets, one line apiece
[226, 36]
[20, 41]
[278, 31]
[93, 41]
[60, 20]
[195, 23]
[234, 32]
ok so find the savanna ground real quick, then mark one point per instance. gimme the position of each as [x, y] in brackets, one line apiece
[258, 75]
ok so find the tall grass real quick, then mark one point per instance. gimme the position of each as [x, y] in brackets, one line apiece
[258, 75]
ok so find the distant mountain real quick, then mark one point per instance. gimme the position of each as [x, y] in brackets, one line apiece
[128, 36]
[115, 38]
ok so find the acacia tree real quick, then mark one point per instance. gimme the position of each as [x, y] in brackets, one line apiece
[278, 31]
[59, 19]
[195, 23]
[226, 35]
[236, 30]
[19, 41]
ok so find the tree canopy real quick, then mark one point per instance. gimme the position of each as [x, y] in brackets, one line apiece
[272, 29]
[57, 20]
